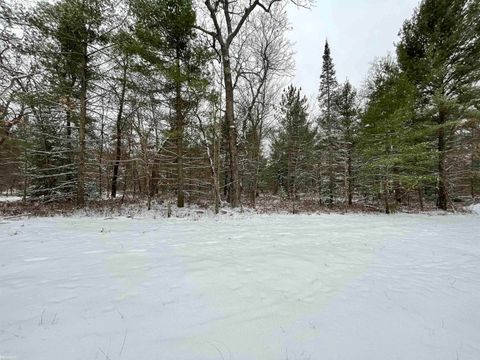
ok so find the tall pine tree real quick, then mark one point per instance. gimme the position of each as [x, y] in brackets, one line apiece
[68, 35]
[346, 106]
[439, 51]
[166, 39]
[328, 126]
[396, 157]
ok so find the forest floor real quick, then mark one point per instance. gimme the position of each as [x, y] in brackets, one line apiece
[13, 206]
[241, 286]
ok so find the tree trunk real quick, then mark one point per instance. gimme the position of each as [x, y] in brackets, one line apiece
[81, 129]
[420, 198]
[398, 193]
[116, 165]
[153, 180]
[256, 160]
[118, 145]
[290, 173]
[331, 174]
[179, 134]
[386, 196]
[349, 179]
[216, 167]
[387, 204]
[442, 196]
[331, 186]
[214, 162]
[70, 155]
[213, 170]
[100, 170]
[148, 186]
[232, 132]
[25, 175]
[472, 175]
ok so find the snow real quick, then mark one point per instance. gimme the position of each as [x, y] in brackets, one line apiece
[362, 287]
[5, 198]
[475, 208]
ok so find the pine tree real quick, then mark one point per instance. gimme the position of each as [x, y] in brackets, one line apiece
[346, 107]
[396, 155]
[328, 124]
[165, 38]
[439, 51]
[67, 31]
[293, 145]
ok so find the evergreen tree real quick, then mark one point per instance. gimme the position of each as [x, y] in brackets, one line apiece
[346, 107]
[65, 36]
[328, 126]
[396, 155]
[439, 51]
[293, 145]
[15, 80]
[165, 38]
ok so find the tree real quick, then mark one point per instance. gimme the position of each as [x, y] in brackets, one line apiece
[439, 50]
[16, 73]
[328, 122]
[293, 145]
[347, 109]
[392, 141]
[124, 65]
[227, 19]
[75, 32]
[164, 30]
[267, 60]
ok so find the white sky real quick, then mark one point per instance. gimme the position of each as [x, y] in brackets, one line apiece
[358, 31]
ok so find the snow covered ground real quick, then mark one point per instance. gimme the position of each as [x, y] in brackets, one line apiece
[9, 198]
[475, 209]
[280, 287]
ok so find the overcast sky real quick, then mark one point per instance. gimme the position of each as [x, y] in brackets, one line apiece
[358, 31]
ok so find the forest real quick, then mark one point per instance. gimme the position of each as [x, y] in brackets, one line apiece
[179, 182]
[191, 102]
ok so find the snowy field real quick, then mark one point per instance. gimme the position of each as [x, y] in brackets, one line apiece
[363, 287]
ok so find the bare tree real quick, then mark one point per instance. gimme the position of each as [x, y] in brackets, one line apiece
[227, 19]
[269, 61]
[15, 72]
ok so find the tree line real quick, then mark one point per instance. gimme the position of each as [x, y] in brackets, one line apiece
[150, 99]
